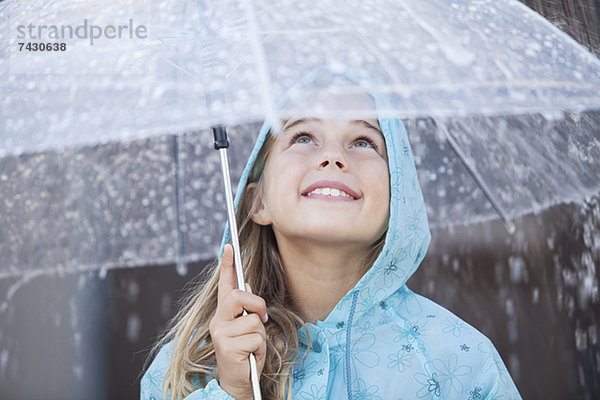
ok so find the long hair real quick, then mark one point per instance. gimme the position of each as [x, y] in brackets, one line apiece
[193, 355]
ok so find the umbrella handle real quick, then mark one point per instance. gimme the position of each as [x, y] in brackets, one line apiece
[222, 144]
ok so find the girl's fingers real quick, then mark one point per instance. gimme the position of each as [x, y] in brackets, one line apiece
[227, 281]
[241, 326]
[246, 344]
[233, 305]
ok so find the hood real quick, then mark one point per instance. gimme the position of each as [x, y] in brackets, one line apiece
[408, 234]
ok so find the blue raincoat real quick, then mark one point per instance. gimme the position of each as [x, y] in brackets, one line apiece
[382, 341]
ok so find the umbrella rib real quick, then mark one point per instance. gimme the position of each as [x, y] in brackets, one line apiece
[179, 171]
[510, 227]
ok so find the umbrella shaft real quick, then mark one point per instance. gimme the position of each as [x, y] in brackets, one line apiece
[239, 272]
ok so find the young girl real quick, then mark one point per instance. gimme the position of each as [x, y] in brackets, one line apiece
[332, 225]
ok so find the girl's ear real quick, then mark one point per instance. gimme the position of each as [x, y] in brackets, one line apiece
[258, 212]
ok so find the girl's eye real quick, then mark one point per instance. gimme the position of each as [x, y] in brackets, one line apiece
[366, 142]
[301, 138]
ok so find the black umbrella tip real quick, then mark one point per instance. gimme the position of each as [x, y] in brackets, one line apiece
[220, 135]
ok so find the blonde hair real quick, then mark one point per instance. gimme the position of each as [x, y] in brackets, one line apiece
[193, 354]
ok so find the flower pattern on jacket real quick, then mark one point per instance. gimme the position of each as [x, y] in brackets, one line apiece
[456, 327]
[315, 393]
[450, 374]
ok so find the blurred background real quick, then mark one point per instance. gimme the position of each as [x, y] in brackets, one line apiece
[143, 217]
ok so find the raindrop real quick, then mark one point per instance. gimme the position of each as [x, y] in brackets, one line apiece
[550, 242]
[134, 324]
[77, 339]
[181, 268]
[588, 287]
[535, 295]
[587, 235]
[445, 258]
[570, 306]
[516, 266]
[431, 287]
[514, 365]
[3, 361]
[510, 308]
[78, 371]
[569, 277]
[580, 339]
[133, 290]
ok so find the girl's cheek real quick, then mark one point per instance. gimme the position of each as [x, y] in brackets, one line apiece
[303, 150]
[368, 155]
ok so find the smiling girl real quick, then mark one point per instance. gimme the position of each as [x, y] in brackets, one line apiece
[332, 224]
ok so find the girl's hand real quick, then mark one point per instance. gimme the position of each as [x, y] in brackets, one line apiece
[234, 335]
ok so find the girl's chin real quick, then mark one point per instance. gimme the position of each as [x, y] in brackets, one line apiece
[332, 235]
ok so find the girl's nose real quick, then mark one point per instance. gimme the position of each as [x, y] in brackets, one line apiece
[334, 157]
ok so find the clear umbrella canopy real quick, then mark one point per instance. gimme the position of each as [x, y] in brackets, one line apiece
[482, 87]
[148, 67]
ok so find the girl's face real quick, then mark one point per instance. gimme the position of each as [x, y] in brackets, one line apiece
[327, 181]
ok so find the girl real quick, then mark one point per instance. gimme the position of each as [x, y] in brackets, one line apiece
[332, 225]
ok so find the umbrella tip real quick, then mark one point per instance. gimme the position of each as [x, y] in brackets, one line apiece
[220, 136]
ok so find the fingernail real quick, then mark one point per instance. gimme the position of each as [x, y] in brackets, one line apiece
[266, 317]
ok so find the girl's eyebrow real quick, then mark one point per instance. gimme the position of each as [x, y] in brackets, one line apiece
[366, 124]
[298, 122]
[304, 120]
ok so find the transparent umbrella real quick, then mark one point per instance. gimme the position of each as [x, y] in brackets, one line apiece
[494, 96]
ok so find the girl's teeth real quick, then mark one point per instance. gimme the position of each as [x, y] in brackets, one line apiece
[329, 192]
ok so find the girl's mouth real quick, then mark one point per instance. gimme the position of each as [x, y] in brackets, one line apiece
[330, 190]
